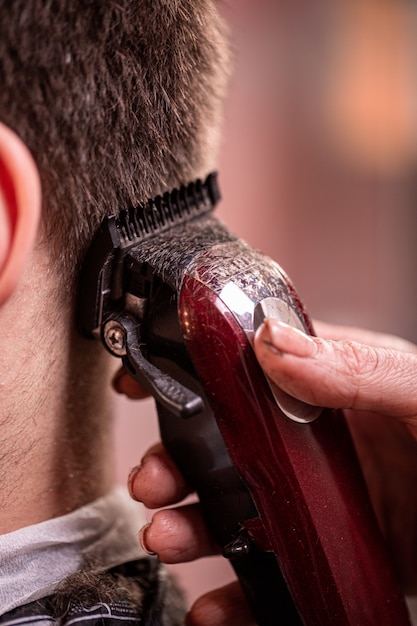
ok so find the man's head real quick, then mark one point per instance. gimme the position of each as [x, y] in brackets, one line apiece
[117, 101]
[106, 104]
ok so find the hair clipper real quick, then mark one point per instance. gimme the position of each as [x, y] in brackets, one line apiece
[171, 291]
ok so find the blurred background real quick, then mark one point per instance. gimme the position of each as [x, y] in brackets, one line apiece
[318, 169]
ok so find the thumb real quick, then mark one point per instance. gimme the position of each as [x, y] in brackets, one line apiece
[338, 373]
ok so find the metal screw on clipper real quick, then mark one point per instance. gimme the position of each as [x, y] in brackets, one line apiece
[115, 338]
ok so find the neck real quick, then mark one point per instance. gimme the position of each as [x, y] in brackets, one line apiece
[55, 413]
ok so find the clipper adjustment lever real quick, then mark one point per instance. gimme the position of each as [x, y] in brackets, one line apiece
[121, 337]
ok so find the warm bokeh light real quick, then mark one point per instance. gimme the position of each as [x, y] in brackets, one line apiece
[369, 99]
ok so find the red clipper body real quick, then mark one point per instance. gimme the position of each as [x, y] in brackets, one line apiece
[313, 509]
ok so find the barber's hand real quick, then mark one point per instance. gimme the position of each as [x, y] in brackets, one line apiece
[179, 535]
[351, 369]
[373, 377]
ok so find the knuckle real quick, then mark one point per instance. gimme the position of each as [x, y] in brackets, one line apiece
[361, 368]
[374, 374]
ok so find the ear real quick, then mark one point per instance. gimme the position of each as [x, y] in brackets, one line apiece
[20, 208]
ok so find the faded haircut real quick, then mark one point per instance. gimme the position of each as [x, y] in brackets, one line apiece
[117, 101]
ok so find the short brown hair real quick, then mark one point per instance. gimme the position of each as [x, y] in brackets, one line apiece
[112, 98]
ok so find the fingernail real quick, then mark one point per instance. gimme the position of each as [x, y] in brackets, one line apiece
[142, 540]
[284, 339]
[131, 480]
[134, 473]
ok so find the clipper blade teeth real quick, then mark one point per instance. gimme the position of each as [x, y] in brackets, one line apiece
[167, 210]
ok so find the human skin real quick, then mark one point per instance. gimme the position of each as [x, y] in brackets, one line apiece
[373, 377]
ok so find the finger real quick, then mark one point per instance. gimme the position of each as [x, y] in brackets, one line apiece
[224, 607]
[367, 337]
[338, 374]
[124, 384]
[157, 482]
[178, 535]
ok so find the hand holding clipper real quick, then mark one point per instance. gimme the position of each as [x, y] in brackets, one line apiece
[172, 292]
